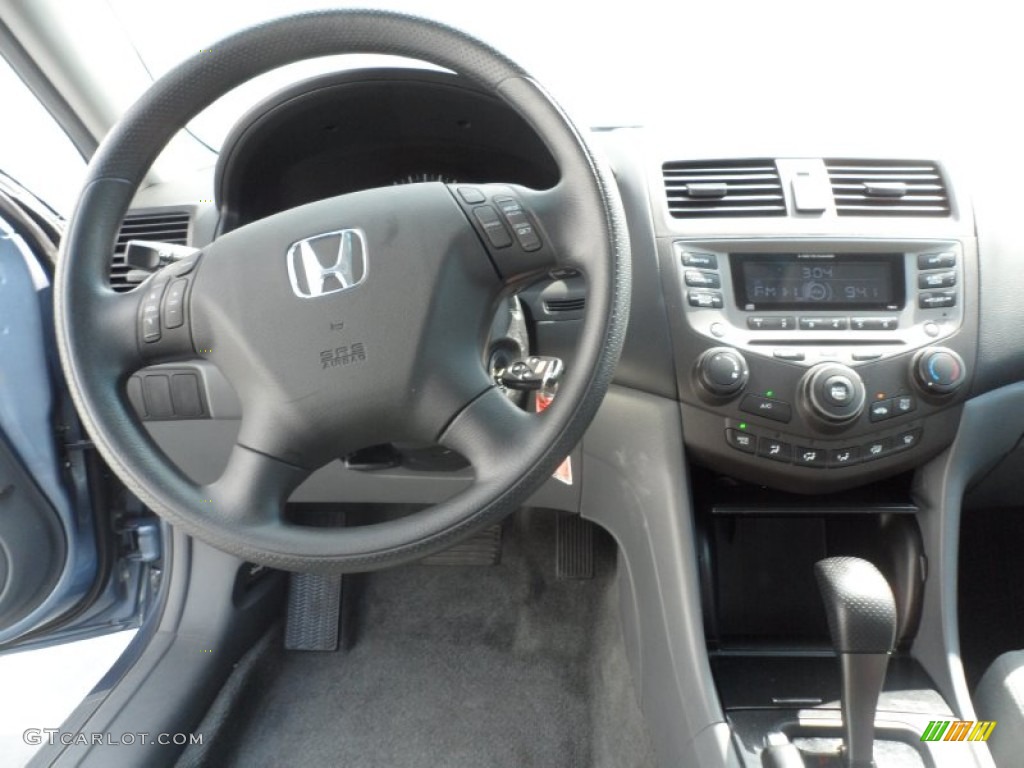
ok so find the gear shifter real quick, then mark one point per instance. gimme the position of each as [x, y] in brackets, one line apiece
[862, 621]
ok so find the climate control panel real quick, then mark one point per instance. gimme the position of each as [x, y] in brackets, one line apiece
[833, 363]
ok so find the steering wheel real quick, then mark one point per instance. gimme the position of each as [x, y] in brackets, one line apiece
[411, 275]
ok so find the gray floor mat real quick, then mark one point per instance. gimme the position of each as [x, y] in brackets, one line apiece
[459, 666]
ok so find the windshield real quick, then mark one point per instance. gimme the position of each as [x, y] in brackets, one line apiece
[710, 68]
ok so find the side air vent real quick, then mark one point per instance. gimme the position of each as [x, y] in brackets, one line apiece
[565, 305]
[160, 226]
[723, 188]
[888, 188]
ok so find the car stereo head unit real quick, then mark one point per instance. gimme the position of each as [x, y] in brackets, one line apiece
[814, 282]
[811, 300]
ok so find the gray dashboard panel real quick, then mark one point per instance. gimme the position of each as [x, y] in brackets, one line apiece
[200, 448]
[637, 487]
[998, 205]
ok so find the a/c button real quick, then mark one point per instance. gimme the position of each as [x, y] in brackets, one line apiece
[776, 410]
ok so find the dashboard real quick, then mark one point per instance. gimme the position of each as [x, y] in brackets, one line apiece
[816, 318]
[823, 355]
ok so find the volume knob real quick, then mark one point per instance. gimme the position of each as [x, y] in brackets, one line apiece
[722, 371]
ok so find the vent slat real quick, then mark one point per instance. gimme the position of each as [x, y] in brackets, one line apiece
[750, 188]
[905, 200]
[565, 305]
[866, 188]
[912, 186]
[699, 179]
[732, 198]
[681, 188]
[878, 168]
[693, 168]
[170, 227]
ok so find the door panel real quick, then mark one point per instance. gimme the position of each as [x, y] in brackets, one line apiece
[43, 568]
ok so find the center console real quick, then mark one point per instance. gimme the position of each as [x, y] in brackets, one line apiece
[822, 354]
[820, 363]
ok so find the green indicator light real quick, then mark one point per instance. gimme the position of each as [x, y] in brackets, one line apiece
[743, 425]
[770, 393]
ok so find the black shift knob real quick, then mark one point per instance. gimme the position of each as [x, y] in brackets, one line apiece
[859, 604]
[862, 619]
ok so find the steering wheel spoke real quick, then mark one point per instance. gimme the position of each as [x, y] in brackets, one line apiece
[489, 432]
[146, 326]
[527, 231]
[252, 489]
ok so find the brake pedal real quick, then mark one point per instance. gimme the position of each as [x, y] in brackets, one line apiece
[574, 545]
[314, 611]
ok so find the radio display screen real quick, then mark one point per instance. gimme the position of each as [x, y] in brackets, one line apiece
[818, 281]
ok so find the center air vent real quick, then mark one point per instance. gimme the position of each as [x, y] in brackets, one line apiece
[888, 188]
[717, 188]
[160, 226]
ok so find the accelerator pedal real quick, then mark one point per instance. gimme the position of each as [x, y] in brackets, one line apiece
[574, 544]
[483, 548]
[314, 608]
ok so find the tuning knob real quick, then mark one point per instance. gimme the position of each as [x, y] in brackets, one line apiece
[722, 371]
[834, 393]
[939, 370]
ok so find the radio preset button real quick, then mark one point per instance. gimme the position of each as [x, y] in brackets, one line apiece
[776, 410]
[697, 279]
[874, 323]
[936, 279]
[936, 299]
[823, 324]
[863, 357]
[771, 323]
[936, 260]
[702, 260]
[705, 299]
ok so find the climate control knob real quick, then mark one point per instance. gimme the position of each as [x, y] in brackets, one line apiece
[833, 393]
[939, 370]
[722, 371]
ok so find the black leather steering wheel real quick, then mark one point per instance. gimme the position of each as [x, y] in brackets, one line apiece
[422, 268]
